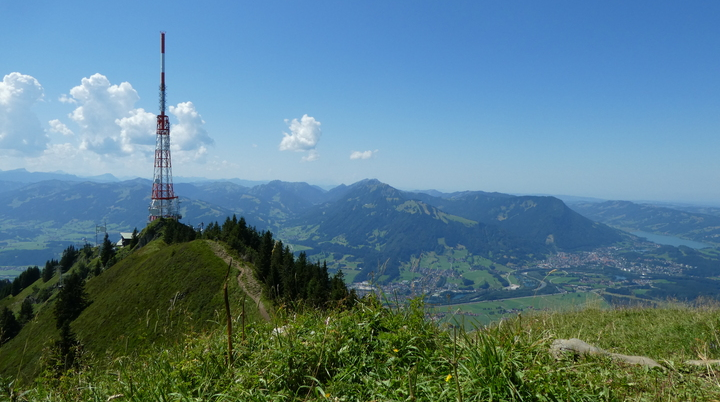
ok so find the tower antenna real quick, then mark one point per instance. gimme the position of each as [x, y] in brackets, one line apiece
[164, 202]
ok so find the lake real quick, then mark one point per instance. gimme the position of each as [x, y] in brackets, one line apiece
[671, 240]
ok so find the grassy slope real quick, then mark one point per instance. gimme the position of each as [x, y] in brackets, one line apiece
[373, 353]
[155, 295]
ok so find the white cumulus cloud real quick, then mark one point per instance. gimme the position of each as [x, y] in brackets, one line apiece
[188, 134]
[111, 125]
[137, 131]
[66, 99]
[101, 106]
[56, 126]
[104, 131]
[304, 136]
[362, 155]
[20, 129]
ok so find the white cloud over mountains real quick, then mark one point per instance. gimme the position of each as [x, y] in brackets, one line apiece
[107, 125]
[20, 129]
[189, 136]
[101, 107]
[304, 136]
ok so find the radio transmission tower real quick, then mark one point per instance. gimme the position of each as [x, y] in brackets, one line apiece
[164, 202]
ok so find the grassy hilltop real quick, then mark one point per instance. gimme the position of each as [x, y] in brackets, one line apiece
[154, 296]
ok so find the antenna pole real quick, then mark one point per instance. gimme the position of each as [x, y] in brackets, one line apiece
[164, 202]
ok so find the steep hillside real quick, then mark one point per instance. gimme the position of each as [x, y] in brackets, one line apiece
[154, 296]
[654, 219]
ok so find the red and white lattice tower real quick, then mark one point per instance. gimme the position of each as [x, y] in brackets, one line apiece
[164, 202]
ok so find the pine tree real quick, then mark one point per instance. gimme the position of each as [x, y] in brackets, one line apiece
[170, 234]
[107, 252]
[97, 269]
[289, 276]
[5, 288]
[49, 270]
[26, 311]
[71, 300]
[266, 249]
[65, 351]
[25, 279]
[134, 239]
[68, 258]
[9, 325]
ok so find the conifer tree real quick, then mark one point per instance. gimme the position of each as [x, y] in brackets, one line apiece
[26, 311]
[9, 325]
[97, 269]
[107, 251]
[5, 288]
[65, 351]
[266, 249]
[87, 251]
[289, 275]
[71, 300]
[134, 239]
[25, 279]
[169, 235]
[49, 271]
[68, 258]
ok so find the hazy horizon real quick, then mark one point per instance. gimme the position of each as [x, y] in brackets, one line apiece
[327, 187]
[611, 100]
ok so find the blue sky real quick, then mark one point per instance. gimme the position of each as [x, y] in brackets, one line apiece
[608, 99]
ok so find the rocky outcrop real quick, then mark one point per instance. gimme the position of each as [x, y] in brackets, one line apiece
[578, 347]
[702, 362]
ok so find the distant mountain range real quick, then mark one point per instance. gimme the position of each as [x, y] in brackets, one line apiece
[11, 178]
[363, 223]
[366, 224]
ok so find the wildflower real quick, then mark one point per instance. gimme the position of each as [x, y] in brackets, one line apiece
[448, 378]
[327, 395]
[395, 350]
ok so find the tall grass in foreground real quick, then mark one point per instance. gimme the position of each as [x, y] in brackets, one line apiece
[376, 353]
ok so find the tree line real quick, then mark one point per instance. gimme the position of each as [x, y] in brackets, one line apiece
[286, 279]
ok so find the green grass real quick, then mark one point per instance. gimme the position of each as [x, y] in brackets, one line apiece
[154, 296]
[481, 276]
[350, 274]
[374, 353]
[298, 247]
[484, 313]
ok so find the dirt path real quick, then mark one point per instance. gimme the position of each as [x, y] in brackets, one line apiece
[246, 280]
